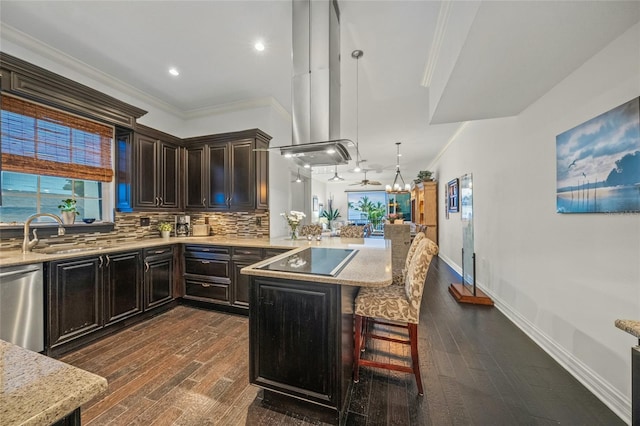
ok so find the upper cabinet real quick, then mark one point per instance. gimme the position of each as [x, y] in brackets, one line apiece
[156, 161]
[227, 172]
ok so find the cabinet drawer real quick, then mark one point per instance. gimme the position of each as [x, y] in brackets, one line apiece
[207, 249]
[207, 267]
[206, 291]
[247, 252]
[157, 251]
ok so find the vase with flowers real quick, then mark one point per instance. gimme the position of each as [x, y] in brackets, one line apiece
[293, 218]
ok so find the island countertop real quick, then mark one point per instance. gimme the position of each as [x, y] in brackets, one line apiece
[38, 390]
[370, 267]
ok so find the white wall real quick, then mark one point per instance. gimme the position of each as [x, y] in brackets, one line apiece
[563, 279]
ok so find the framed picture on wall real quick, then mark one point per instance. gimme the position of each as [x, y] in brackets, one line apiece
[452, 196]
[315, 203]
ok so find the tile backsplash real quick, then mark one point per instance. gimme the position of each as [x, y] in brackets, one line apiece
[127, 228]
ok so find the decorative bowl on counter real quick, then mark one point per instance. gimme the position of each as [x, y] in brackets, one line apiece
[89, 220]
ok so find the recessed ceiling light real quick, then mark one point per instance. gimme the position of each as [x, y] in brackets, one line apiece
[259, 46]
[307, 166]
[174, 72]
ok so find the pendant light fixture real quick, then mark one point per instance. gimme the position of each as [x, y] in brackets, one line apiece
[357, 54]
[398, 185]
[298, 179]
[335, 177]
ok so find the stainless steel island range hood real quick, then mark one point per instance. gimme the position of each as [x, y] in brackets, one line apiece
[316, 86]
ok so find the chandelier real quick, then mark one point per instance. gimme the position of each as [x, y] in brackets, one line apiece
[398, 185]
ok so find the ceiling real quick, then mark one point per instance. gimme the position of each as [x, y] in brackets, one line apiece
[425, 62]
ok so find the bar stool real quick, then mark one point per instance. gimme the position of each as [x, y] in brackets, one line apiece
[310, 230]
[394, 306]
[352, 231]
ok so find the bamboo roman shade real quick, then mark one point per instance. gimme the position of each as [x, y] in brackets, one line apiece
[41, 140]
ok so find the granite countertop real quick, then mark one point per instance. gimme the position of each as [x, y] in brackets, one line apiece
[630, 326]
[370, 267]
[16, 257]
[38, 390]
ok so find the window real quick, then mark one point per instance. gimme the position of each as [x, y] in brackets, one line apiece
[26, 194]
[49, 155]
[367, 206]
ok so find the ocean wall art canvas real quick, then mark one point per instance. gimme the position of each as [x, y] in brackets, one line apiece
[598, 163]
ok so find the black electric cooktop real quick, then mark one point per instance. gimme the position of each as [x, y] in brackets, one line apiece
[314, 260]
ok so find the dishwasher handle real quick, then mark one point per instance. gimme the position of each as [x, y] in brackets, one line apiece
[18, 272]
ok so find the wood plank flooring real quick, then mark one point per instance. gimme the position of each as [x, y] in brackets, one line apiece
[190, 367]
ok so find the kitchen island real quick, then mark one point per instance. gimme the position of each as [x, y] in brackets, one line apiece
[301, 323]
[38, 390]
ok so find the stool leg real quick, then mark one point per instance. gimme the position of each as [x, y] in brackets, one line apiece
[356, 348]
[413, 337]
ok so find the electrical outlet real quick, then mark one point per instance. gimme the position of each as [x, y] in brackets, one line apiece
[258, 221]
[145, 221]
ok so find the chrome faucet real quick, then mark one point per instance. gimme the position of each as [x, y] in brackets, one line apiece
[27, 245]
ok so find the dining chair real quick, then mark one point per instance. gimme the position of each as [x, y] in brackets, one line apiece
[352, 231]
[393, 306]
[310, 230]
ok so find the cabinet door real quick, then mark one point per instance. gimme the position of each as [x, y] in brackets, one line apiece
[195, 182]
[293, 338]
[218, 177]
[75, 299]
[158, 280]
[123, 286]
[146, 165]
[240, 283]
[168, 175]
[242, 175]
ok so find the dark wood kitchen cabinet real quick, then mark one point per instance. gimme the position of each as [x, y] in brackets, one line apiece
[92, 296]
[75, 299]
[212, 275]
[227, 172]
[156, 161]
[293, 327]
[158, 276]
[122, 285]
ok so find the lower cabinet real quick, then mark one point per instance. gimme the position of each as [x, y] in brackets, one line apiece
[158, 276]
[212, 275]
[75, 299]
[89, 295]
[123, 286]
[294, 338]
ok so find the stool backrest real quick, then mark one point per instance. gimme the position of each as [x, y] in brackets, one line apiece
[412, 249]
[417, 271]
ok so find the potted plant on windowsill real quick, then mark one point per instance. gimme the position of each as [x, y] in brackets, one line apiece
[68, 211]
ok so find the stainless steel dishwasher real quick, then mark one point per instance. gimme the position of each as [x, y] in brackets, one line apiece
[22, 306]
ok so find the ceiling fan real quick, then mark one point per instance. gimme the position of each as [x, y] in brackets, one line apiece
[366, 181]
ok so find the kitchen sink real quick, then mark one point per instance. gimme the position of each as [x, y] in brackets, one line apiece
[66, 250]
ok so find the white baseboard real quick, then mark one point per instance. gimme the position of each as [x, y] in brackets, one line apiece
[610, 396]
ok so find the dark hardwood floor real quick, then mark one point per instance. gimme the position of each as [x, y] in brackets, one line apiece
[190, 367]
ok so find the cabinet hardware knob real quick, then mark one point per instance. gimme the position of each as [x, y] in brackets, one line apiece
[205, 285]
[161, 201]
[146, 266]
[204, 261]
[101, 262]
[204, 201]
[157, 201]
[158, 252]
[108, 260]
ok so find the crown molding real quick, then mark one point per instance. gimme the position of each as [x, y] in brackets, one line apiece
[436, 44]
[243, 105]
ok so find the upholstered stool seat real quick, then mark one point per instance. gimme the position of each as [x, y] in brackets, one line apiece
[389, 303]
